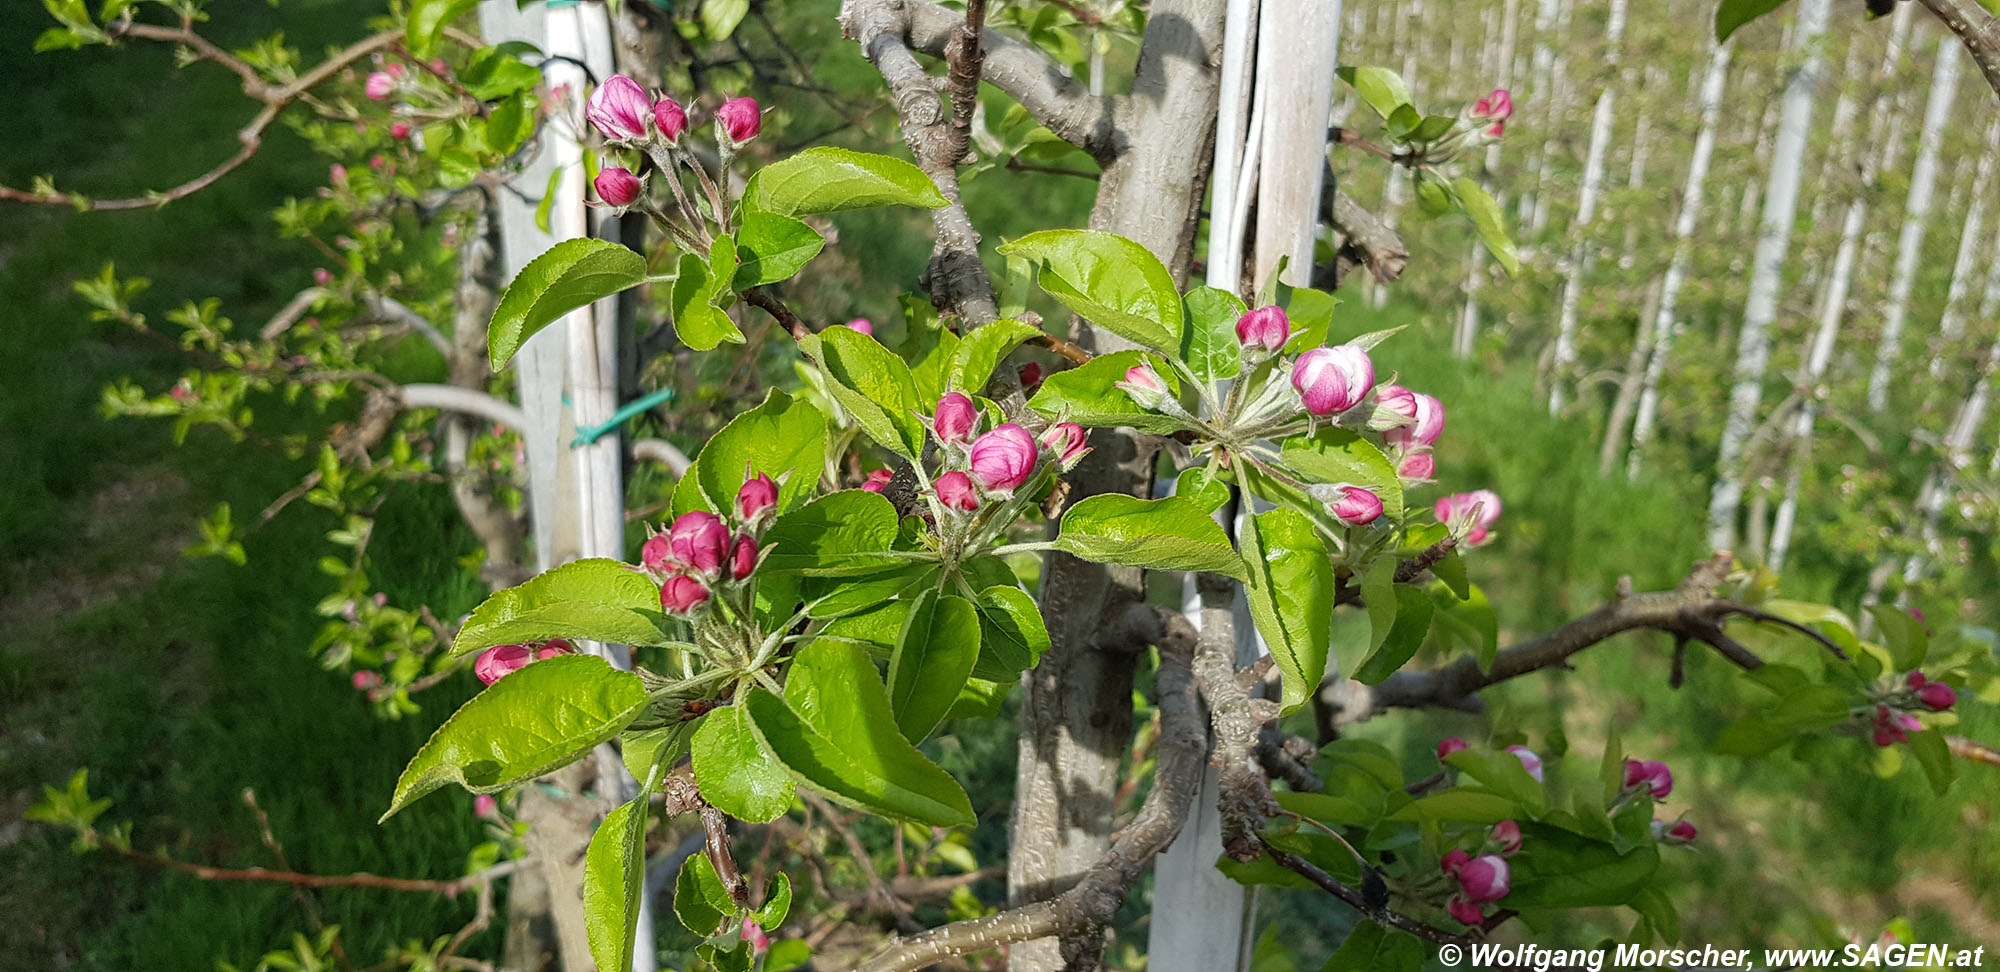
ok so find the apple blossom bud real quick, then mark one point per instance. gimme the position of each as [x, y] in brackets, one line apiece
[1681, 832]
[699, 540]
[682, 594]
[1031, 377]
[1449, 745]
[863, 325]
[744, 559]
[1495, 107]
[336, 174]
[754, 934]
[954, 490]
[553, 647]
[1465, 912]
[657, 552]
[1144, 385]
[1529, 761]
[1356, 505]
[758, 495]
[499, 661]
[322, 276]
[1426, 416]
[484, 806]
[1417, 466]
[1507, 836]
[1479, 509]
[740, 119]
[1937, 696]
[619, 109]
[1909, 723]
[618, 187]
[1066, 440]
[1265, 328]
[670, 119]
[1915, 680]
[878, 480]
[1485, 878]
[1003, 458]
[1398, 399]
[365, 680]
[399, 131]
[1333, 380]
[1453, 860]
[1883, 736]
[379, 86]
[956, 418]
[377, 161]
[1649, 776]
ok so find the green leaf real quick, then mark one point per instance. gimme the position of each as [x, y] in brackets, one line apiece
[1503, 773]
[1732, 14]
[982, 349]
[1380, 87]
[701, 901]
[1205, 491]
[592, 600]
[1903, 635]
[1934, 756]
[1164, 534]
[1485, 215]
[640, 748]
[1208, 343]
[733, 773]
[1335, 455]
[1089, 395]
[1434, 198]
[1460, 804]
[934, 656]
[614, 875]
[1290, 590]
[1311, 312]
[1752, 735]
[1468, 625]
[838, 535]
[1012, 635]
[498, 73]
[1372, 948]
[830, 180]
[428, 19]
[700, 324]
[1658, 909]
[572, 274]
[510, 123]
[873, 384]
[1111, 281]
[783, 435]
[772, 247]
[835, 732]
[930, 355]
[511, 732]
[720, 17]
[1378, 594]
[777, 902]
[1561, 869]
[1413, 620]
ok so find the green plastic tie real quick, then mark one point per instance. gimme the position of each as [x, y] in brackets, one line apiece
[590, 435]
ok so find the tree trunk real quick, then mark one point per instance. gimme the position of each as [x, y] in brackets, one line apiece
[1581, 252]
[1951, 327]
[1753, 344]
[1712, 85]
[1909, 247]
[1468, 320]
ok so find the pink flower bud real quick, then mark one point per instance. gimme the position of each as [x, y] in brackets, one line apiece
[1507, 836]
[399, 130]
[499, 661]
[377, 161]
[1031, 377]
[1937, 696]
[699, 540]
[438, 65]
[754, 934]
[1479, 508]
[1453, 860]
[1681, 832]
[1356, 506]
[337, 174]
[381, 599]
[740, 119]
[1495, 107]
[657, 553]
[1333, 380]
[670, 118]
[1649, 776]
[863, 325]
[743, 560]
[758, 496]
[878, 480]
[1449, 745]
[1884, 736]
[1003, 458]
[396, 70]
[1067, 441]
[1144, 385]
[1417, 466]
[1426, 415]
[1529, 761]
[484, 806]
[1484, 878]
[1915, 680]
[954, 490]
[322, 276]
[618, 187]
[365, 680]
[956, 418]
[1465, 912]
[1399, 400]
[553, 647]
[619, 109]
[1266, 328]
[1474, 537]
[379, 86]
[682, 594]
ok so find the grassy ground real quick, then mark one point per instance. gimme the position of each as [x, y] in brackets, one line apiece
[178, 683]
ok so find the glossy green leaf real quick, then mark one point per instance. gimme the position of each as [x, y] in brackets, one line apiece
[720, 17]
[1208, 343]
[640, 748]
[930, 354]
[1110, 281]
[614, 876]
[829, 180]
[1413, 620]
[1372, 948]
[1903, 635]
[980, 699]
[777, 902]
[427, 21]
[839, 534]
[1934, 757]
[1205, 491]
[771, 248]
[592, 600]
[935, 653]
[1012, 635]
[873, 384]
[572, 274]
[734, 774]
[1311, 312]
[1335, 455]
[835, 732]
[982, 349]
[700, 324]
[1503, 773]
[1290, 590]
[1561, 869]
[1460, 804]
[1089, 395]
[510, 732]
[782, 435]
[1164, 534]
[497, 73]
[1380, 87]
[701, 901]
[1467, 625]
[1485, 215]
[1732, 14]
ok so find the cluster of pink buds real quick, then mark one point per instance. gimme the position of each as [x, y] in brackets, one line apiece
[1469, 516]
[500, 661]
[1648, 777]
[628, 117]
[1410, 444]
[1894, 717]
[380, 85]
[699, 551]
[1482, 880]
[1489, 114]
[983, 468]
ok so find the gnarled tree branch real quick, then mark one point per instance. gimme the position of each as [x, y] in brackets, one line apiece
[1977, 28]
